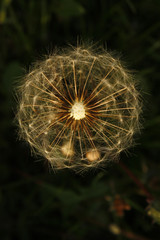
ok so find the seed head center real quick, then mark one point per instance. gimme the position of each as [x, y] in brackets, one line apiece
[78, 111]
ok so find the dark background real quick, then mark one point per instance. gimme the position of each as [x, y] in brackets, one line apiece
[36, 203]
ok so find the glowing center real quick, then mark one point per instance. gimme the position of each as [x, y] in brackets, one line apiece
[78, 111]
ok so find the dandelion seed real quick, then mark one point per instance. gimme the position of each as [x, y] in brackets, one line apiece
[67, 149]
[93, 155]
[79, 108]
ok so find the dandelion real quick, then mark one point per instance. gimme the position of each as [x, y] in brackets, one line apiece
[78, 108]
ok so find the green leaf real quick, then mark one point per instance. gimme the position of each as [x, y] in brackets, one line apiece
[11, 74]
[67, 9]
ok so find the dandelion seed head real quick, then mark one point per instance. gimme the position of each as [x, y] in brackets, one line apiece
[78, 111]
[79, 108]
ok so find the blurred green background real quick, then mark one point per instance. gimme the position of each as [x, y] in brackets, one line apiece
[121, 201]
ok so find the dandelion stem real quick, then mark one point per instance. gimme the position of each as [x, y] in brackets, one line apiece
[137, 181]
